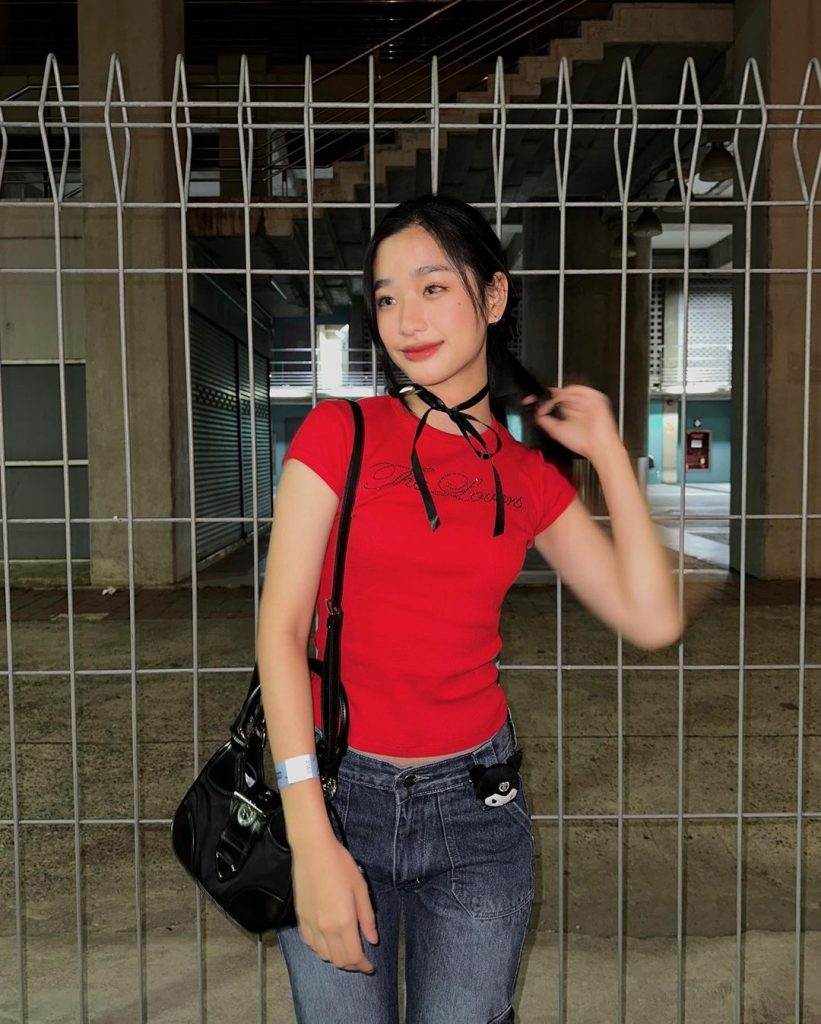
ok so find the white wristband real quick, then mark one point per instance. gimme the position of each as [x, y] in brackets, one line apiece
[296, 769]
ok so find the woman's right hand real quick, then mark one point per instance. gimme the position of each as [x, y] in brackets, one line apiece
[332, 904]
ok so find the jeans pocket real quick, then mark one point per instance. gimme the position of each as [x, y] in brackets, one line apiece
[491, 854]
[519, 810]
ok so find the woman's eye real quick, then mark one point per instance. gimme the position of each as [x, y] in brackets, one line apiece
[439, 287]
[382, 300]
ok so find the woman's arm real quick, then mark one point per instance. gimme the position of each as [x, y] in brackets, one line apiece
[627, 581]
[330, 894]
[305, 508]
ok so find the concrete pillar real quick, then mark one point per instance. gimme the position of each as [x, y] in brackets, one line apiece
[147, 35]
[592, 304]
[783, 38]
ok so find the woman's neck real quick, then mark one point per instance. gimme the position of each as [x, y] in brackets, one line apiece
[441, 420]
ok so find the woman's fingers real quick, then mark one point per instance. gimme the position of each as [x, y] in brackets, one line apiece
[364, 913]
[539, 406]
[340, 946]
[346, 952]
[315, 941]
[357, 960]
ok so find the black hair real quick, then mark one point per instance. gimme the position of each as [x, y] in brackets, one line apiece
[476, 253]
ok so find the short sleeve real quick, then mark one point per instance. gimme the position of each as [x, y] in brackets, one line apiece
[323, 442]
[555, 494]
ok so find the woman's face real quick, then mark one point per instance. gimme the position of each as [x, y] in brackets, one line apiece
[425, 315]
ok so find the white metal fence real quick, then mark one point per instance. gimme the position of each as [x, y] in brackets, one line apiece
[58, 122]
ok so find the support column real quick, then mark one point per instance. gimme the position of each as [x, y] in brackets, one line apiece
[147, 35]
[783, 38]
[592, 307]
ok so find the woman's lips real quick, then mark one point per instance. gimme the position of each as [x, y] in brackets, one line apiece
[416, 354]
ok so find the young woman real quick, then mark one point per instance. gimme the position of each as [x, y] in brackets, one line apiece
[447, 504]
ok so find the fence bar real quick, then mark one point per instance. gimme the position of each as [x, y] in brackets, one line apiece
[119, 180]
[498, 139]
[813, 74]
[183, 169]
[728, 816]
[17, 839]
[245, 132]
[230, 105]
[310, 138]
[692, 518]
[320, 272]
[371, 205]
[747, 192]
[566, 667]
[580, 204]
[624, 180]
[562, 160]
[52, 74]
[434, 131]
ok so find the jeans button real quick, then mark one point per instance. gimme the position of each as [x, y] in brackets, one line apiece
[409, 780]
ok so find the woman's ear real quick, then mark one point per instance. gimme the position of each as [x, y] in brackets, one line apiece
[496, 297]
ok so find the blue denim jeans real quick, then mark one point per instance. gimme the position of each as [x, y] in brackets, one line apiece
[458, 875]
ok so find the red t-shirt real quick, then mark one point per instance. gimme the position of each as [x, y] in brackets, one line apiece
[420, 633]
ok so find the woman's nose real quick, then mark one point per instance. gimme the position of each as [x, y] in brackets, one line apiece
[411, 316]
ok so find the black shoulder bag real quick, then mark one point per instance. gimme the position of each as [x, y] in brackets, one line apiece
[229, 830]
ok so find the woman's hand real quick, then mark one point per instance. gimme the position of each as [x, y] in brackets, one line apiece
[332, 904]
[583, 420]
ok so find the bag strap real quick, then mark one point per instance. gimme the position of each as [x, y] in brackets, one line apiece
[331, 748]
[250, 720]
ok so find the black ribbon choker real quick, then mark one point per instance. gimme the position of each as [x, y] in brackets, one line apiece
[473, 438]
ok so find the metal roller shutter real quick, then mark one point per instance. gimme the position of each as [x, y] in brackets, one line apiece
[217, 473]
[265, 451]
[263, 437]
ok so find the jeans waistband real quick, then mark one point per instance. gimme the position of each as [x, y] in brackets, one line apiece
[428, 778]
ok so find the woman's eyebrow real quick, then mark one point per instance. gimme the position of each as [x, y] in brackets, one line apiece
[429, 268]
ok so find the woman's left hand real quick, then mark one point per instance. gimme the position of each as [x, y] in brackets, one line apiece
[585, 423]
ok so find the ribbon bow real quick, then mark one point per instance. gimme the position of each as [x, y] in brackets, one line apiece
[473, 438]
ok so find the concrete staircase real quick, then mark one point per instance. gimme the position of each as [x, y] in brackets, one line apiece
[630, 24]
[464, 154]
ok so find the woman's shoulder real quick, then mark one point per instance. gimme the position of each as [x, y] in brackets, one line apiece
[333, 418]
[329, 414]
[376, 405]
[378, 412]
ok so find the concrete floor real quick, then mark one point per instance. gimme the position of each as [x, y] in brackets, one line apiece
[709, 695]
[705, 539]
[232, 980]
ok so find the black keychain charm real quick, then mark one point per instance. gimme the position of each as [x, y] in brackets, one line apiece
[497, 784]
